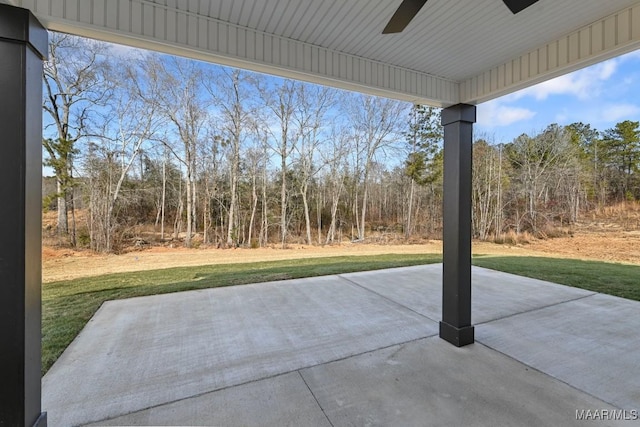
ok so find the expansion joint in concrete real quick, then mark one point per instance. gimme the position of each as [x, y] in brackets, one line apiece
[536, 309]
[386, 298]
[315, 398]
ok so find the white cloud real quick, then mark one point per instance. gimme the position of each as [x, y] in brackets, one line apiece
[493, 114]
[600, 95]
[615, 112]
[605, 115]
[606, 69]
[584, 84]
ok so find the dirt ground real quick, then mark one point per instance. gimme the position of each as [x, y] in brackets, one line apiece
[61, 264]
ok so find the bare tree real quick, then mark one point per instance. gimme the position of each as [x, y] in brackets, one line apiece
[163, 197]
[231, 91]
[312, 107]
[133, 122]
[255, 160]
[262, 140]
[486, 182]
[335, 156]
[260, 161]
[180, 101]
[76, 84]
[281, 102]
[376, 125]
[533, 160]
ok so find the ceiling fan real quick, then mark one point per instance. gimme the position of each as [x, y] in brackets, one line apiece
[409, 9]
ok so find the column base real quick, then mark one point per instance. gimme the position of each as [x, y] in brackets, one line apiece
[457, 336]
[41, 421]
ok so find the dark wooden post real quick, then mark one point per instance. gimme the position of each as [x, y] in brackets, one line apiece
[23, 46]
[455, 326]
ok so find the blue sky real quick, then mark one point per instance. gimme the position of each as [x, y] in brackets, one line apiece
[601, 95]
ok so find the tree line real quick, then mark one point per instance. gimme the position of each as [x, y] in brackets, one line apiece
[205, 154]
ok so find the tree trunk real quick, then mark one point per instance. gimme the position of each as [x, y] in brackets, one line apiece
[194, 213]
[264, 222]
[254, 206]
[334, 210]
[187, 239]
[177, 224]
[356, 210]
[363, 211]
[407, 232]
[283, 203]
[63, 224]
[305, 203]
[319, 203]
[234, 189]
[205, 219]
[164, 195]
[72, 233]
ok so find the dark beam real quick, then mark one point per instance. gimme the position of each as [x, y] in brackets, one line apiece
[455, 326]
[23, 46]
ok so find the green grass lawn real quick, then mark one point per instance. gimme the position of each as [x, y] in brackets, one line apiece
[68, 305]
[621, 280]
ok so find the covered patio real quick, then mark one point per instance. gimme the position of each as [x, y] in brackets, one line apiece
[354, 349]
[447, 54]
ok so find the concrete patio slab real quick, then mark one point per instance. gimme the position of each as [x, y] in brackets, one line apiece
[284, 400]
[592, 343]
[494, 294]
[359, 349]
[148, 351]
[432, 383]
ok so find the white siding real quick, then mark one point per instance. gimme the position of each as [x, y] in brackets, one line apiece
[451, 52]
[160, 27]
[604, 39]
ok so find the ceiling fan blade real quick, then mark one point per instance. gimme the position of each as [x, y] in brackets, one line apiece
[518, 5]
[405, 13]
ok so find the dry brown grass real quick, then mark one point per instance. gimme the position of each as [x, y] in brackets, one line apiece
[607, 234]
[623, 215]
[512, 238]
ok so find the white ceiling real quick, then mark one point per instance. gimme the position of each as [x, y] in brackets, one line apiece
[453, 51]
[455, 39]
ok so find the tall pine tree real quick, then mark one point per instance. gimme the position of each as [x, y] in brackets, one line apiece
[424, 161]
